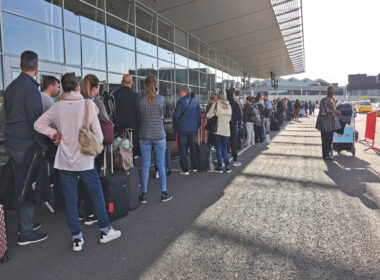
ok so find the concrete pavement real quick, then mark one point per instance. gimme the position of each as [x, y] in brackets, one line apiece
[285, 214]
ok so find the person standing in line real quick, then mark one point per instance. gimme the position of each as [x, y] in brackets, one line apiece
[23, 106]
[150, 113]
[267, 114]
[235, 118]
[68, 116]
[211, 141]
[249, 119]
[259, 136]
[328, 122]
[306, 109]
[126, 111]
[297, 109]
[51, 88]
[187, 120]
[223, 112]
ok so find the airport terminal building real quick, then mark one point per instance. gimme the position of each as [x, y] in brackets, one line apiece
[206, 44]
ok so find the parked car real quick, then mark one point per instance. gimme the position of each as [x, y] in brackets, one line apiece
[365, 107]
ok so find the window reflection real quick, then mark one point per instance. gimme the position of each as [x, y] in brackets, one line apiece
[49, 11]
[203, 79]
[120, 60]
[165, 30]
[193, 44]
[121, 8]
[48, 44]
[193, 61]
[203, 96]
[120, 33]
[181, 57]
[180, 37]
[73, 55]
[166, 50]
[97, 3]
[166, 70]
[93, 53]
[167, 90]
[146, 65]
[146, 19]
[181, 74]
[193, 77]
[83, 18]
[146, 42]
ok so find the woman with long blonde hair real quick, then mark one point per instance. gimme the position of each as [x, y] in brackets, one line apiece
[151, 112]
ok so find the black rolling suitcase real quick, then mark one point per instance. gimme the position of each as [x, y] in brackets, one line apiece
[116, 191]
[203, 154]
[168, 162]
[274, 125]
[133, 181]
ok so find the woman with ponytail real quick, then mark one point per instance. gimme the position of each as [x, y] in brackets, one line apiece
[151, 111]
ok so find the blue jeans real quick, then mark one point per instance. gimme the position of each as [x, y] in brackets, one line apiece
[187, 139]
[146, 152]
[69, 182]
[222, 150]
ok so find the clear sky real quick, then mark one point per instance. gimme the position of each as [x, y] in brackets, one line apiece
[341, 37]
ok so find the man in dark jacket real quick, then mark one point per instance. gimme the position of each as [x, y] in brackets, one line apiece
[187, 120]
[235, 119]
[126, 110]
[23, 106]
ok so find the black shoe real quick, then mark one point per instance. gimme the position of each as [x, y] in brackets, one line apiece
[165, 197]
[33, 237]
[228, 170]
[143, 198]
[218, 170]
[90, 219]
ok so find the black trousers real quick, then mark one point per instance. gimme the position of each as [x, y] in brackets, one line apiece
[327, 138]
[258, 133]
[234, 142]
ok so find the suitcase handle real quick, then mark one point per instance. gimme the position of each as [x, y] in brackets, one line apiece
[105, 159]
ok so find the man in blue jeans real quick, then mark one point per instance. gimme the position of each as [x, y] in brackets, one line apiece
[23, 106]
[187, 120]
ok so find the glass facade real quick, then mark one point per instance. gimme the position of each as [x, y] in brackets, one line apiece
[110, 38]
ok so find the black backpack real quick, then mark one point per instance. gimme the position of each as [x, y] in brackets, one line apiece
[110, 105]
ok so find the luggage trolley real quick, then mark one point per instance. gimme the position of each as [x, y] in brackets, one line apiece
[344, 139]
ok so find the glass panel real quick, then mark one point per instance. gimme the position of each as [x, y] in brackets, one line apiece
[203, 79]
[77, 71]
[193, 77]
[90, 20]
[193, 44]
[120, 33]
[97, 3]
[121, 60]
[195, 92]
[203, 64]
[193, 61]
[167, 90]
[121, 8]
[141, 82]
[203, 96]
[73, 55]
[146, 65]
[181, 57]
[100, 75]
[165, 30]
[166, 71]
[49, 11]
[48, 44]
[146, 42]
[203, 49]
[219, 58]
[180, 37]
[211, 54]
[146, 20]
[165, 50]
[93, 53]
[181, 74]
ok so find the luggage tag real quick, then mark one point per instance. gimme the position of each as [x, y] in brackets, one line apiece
[110, 207]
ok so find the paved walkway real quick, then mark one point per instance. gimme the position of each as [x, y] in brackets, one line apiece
[285, 214]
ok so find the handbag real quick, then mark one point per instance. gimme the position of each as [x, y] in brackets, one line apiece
[123, 152]
[212, 123]
[180, 117]
[89, 143]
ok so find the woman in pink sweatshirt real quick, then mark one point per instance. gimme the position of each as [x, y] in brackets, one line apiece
[67, 117]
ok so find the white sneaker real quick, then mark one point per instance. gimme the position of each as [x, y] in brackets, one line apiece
[78, 244]
[110, 235]
[157, 175]
[195, 170]
[184, 173]
[236, 164]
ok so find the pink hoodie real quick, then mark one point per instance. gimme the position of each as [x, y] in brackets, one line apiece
[67, 116]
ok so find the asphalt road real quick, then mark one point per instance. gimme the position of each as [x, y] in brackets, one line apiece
[285, 214]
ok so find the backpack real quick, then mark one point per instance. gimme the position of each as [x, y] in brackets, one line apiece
[110, 105]
[256, 112]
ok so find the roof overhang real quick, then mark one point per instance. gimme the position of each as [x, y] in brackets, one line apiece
[261, 35]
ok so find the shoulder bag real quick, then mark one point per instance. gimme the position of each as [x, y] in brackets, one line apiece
[212, 123]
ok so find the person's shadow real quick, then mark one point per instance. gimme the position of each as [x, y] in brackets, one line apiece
[351, 174]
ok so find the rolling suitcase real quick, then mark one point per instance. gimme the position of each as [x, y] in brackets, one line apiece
[203, 154]
[168, 162]
[3, 237]
[115, 190]
[133, 182]
[274, 125]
